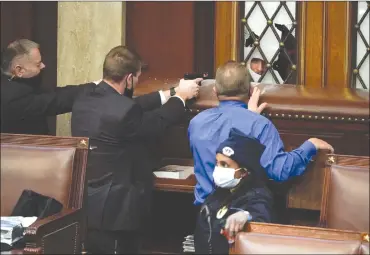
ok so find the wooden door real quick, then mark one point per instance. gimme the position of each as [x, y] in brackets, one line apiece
[324, 44]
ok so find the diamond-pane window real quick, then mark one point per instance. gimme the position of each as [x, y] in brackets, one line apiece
[361, 43]
[270, 43]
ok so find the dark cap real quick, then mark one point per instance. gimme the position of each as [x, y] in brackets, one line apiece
[244, 150]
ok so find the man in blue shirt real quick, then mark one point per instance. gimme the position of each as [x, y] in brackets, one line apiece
[211, 127]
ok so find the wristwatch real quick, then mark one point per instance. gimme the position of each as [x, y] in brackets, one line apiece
[172, 91]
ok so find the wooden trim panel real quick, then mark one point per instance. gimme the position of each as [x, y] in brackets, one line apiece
[44, 140]
[311, 41]
[337, 44]
[227, 32]
[301, 231]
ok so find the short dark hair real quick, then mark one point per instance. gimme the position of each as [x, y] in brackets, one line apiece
[15, 49]
[119, 62]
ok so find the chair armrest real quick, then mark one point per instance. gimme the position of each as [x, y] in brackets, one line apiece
[59, 233]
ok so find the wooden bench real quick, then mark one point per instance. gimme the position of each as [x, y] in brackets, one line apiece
[54, 167]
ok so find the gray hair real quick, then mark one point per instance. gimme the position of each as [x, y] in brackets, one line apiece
[15, 50]
[233, 79]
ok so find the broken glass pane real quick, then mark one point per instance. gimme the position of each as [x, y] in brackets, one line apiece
[270, 43]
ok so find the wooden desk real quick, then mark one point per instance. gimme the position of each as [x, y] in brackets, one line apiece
[173, 216]
[305, 192]
[174, 185]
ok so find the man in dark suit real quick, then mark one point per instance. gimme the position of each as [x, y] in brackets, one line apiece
[24, 107]
[120, 164]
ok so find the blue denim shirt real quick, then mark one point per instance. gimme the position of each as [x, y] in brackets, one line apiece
[211, 127]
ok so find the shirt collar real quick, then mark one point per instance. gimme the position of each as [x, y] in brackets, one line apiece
[227, 103]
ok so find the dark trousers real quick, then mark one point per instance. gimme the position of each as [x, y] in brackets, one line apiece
[218, 244]
[113, 242]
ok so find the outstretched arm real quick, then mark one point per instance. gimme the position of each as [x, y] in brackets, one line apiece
[281, 165]
[140, 124]
[66, 96]
[154, 100]
[49, 103]
[149, 101]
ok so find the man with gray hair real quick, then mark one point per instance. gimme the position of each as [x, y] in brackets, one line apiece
[24, 108]
[211, 127]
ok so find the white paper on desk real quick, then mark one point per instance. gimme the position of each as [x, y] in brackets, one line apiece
[188, 250]
[174, 172]
[9, 223]
[16, 220]
[189, 237]
[12, 228]
[188, 243]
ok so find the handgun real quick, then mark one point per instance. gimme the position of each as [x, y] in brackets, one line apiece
[193, 76]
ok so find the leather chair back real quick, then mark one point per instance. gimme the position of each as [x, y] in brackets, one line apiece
[345, 203]
[365, 248]
[47, 171]
[55, 167]
[262, 238]
[49, 165]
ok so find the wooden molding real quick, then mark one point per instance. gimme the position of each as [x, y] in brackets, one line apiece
[227, 27]
[311, 42]
[302, 231]
[337, 44]
[324, 50]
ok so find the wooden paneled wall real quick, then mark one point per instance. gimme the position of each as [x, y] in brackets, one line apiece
[163, 34]
[172, 37]
[178, 37]
[35, 21]
[324, 41]
[14, 16]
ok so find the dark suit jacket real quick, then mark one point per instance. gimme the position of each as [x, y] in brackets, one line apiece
[24, 109]
[120, 162]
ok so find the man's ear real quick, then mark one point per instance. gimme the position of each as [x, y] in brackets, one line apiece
[18, 71]
[215, 90]
[129, 80]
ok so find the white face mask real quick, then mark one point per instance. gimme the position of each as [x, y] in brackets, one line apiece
[224, 177]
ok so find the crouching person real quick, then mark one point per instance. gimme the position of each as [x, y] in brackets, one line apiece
[240, 196]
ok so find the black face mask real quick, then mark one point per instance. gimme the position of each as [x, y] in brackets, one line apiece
[129, 92]
[35, 81]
